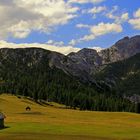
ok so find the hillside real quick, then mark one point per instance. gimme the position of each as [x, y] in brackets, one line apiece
[83, 79]
[31, 72]
[45, 123]
[122, 76]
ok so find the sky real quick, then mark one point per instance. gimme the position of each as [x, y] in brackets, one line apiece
[67, 25]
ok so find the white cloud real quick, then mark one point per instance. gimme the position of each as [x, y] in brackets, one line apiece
[124, 17]
[82, 26]
[119, 19]
[116, 16]
[50, 42]
[52, 47]
[19, 17]
[86, 1]
[55, 43]
[72, 42]
[105, 28]
[101, 29]
[96, 10]
[135, 22]
[137, 13]
[87, 38]
[98, 49]
[20, 30]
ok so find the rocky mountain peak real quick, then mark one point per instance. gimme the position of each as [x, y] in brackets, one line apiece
[86, 51]
[124, 40]
[121, 50]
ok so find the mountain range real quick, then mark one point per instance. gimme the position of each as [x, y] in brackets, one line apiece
[47, 75]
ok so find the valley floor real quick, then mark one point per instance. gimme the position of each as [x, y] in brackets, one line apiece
[49, 123]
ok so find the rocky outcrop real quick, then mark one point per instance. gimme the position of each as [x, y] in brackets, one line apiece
[87, 60]
[121, 50]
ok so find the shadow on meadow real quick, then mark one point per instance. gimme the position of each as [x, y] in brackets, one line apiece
[5, 127]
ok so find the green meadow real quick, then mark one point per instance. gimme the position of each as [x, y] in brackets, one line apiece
[46, 122]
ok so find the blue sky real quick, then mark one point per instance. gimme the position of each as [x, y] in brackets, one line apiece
[69, 25]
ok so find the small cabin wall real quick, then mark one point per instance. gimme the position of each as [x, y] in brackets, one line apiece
[1, 123]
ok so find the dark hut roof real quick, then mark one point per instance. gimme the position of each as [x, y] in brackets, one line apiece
[2, 116]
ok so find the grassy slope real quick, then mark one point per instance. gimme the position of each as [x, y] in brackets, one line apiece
[49, 123]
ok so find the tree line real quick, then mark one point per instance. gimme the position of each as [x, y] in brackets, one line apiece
[51, 84]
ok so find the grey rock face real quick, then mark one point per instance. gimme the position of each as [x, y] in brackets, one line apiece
[86, 59]
[80, 64]
[134, 98]
[30, 56]
[121, 50]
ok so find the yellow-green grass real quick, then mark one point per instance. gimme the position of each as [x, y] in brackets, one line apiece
[50, 123]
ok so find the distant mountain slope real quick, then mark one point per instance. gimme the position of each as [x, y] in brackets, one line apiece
[32, 57]
[85, 62]
[121, 50]
[90, 61]
[123, 76]
[32, 72]
[43, 74]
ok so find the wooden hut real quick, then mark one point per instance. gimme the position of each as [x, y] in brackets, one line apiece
[2, 117]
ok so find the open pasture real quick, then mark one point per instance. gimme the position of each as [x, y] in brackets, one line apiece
[45, 122]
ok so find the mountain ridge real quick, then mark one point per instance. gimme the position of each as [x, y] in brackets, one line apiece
[78, 79]
[87, 62]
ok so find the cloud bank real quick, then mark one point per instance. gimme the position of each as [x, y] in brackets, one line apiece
[19, 17]
[50, 45]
